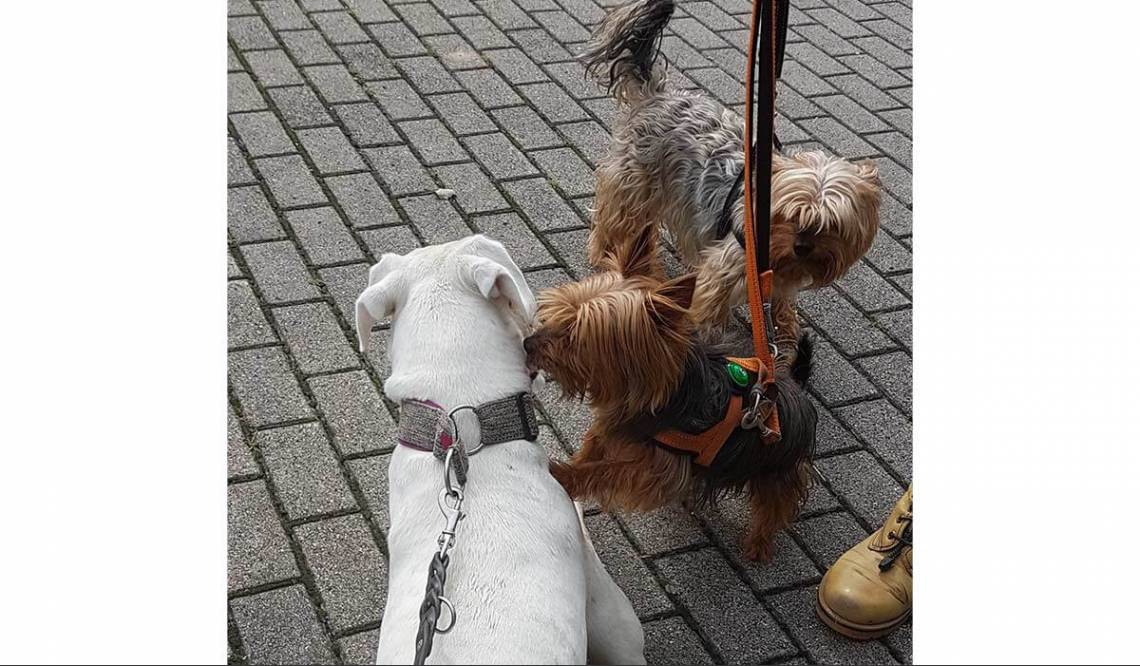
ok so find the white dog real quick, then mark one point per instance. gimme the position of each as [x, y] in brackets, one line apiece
[525, 581]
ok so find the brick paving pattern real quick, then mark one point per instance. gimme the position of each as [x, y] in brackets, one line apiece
[344, 117]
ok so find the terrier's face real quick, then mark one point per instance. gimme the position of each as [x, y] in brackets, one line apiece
[825, 213]
[618, 337]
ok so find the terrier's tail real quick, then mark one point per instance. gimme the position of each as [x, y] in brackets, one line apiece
[622, 50]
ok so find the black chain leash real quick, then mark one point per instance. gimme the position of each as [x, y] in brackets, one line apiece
[434, 600]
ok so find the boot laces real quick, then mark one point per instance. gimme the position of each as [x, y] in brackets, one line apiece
[904, 539]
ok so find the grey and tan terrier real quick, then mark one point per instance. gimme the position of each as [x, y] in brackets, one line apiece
[674, 159]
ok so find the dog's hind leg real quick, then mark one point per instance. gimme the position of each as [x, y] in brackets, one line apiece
[775, 501]
[720, 285]
[613, 633]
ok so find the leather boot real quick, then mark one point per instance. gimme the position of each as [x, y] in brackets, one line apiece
[867, 592]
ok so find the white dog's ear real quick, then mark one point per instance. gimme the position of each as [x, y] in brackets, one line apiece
[376, 302]
[493, 280]
[388, 262]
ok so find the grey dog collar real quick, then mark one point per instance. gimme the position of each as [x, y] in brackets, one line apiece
[426, 426]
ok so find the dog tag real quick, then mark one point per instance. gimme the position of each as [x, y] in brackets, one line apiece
[738, 374]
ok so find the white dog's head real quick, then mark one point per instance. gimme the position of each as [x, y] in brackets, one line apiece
[460, 302]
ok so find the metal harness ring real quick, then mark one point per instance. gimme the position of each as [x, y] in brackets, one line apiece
[455, 426]
[444, 602]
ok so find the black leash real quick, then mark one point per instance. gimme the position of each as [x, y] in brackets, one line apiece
[724, 222]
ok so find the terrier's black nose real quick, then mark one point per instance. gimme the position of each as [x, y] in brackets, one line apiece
[529, 344]
[802, 248]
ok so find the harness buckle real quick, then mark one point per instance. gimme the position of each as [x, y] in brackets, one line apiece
[758, 411]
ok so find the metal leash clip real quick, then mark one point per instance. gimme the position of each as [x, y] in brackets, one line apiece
[760, 407]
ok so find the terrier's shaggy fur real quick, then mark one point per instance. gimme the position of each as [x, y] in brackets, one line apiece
[625, 340]
[674, 159]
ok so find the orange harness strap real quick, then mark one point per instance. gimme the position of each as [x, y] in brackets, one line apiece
[708, 443]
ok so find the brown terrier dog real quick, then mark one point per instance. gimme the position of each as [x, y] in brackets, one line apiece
[625, 340]
[676, 158]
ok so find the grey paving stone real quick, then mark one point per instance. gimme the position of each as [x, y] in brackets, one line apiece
[498, 156]
[894, 217]
[239, 460]
[525, 126]
[718, 84]
[273, 68]
[266, 388]
[474, 192]
[830, 435]
[279, 272]
[828, 536]
[481, 32]
[887, 254]
[505, 14]
[572, 77]
[712, 17]
[903, 282]
[281, 627]
[360, 648]
[874, 71]
[545, 208]
[627, 569]
[804, 80]
[344, 284]
[896, 179]
[399, 170]
[300, 107]
[330, 150]
[733, 620]
[552, 102]
[340, 27]
[435, 219]
[335, 84]
[605, 110]
[568, 172]
[855, 116]
[893, 373]
[837, 22]
[371, 475]
[835, 379]
[304, 470]
[323, 236]
[290, 181]
[460, 112]
[584, 11]
[283, 14]
[789, 565]
[837, 137]
[899, 119]
[863, 482]
[562, 26]
[398, 99]
[819, 500]
[397, 239]
[370, 11]
[315, 339]
[515, 66]
[365, 124]
[367, 62]
[233, 64]
[901, 640]
[454, 52]
[883, 51]
[362, 200]
[695, 34]
[547, 278]
[433, 141]
[521, 243]
[891, 31]
[816, 59]
[348, 567]
[249, 216]
[731, 62]
[247, 325]
[261, 133]
[671, 641]
[864, 92]
[826, 40]
[488, 88]
[258, 550]
[423, 19]
[893, 144]
[455, 7]
[569, 244]
[397, 40]
[663, 530]
[250, 32]
[243, 94]
[681, 55]
[323, 5]
[870, 291]
[308, 47]
[353, 409]
[898, 324]
[797, 609]
[427, 75]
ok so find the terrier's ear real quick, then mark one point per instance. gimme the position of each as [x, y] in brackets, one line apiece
[493, 281]
[680, 290]
[638, 255]
[376, 302]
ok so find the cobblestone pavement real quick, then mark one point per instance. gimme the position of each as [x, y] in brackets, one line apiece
[344, 117]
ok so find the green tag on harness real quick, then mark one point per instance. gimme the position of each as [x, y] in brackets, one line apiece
[737, 373]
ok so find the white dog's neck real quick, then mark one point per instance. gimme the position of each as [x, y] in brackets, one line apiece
[479, 361]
